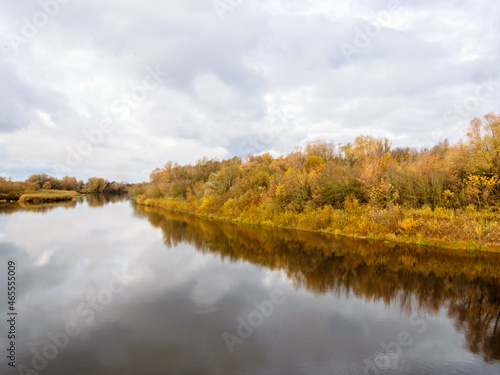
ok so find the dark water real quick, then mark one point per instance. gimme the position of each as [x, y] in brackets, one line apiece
[107, 288]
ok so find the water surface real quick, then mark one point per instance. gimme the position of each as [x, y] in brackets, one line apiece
[108, 288]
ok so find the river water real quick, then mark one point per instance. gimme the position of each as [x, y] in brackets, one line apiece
[104, 287]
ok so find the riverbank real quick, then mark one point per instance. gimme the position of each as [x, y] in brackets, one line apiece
[464, 229]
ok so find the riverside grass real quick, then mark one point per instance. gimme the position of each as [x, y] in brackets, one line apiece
[48, 196]
[464, 229]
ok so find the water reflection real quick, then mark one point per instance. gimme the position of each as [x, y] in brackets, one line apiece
[10, 208]
[93, 200]
[99, 200]
[415, 278]
[187, 281]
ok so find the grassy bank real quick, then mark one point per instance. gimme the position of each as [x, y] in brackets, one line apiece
[48, 196]
[469, 228]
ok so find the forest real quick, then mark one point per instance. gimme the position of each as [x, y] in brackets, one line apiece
[446, 195]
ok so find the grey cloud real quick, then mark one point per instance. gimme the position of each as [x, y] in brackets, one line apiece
[224, 74]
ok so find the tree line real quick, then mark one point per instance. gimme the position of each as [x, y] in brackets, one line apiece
[325, 173]
[360, 188]
[12, 190]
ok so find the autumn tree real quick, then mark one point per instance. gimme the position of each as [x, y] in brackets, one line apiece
[69, 183]
[292, 191]
[40, 179]
[483, 144]
[366, 146]
[320, 148]
[314, 162]
[55, 183]
[96, 185]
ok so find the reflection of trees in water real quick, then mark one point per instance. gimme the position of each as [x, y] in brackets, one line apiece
[10, 208]
[93, 200]
[96, 200]
[418, 278]
[479, 320]
[99, 200]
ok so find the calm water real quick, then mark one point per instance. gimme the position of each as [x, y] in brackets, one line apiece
[108, 288]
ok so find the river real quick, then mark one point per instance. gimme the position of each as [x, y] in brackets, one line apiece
[105, 287]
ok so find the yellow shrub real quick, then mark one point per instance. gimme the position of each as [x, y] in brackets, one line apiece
[206, 202]
[229, 209]
[408, 226]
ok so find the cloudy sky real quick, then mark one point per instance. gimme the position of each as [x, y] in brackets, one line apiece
[117, 88]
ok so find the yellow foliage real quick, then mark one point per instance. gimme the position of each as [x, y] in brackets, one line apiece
[480, 188]
[314, 162]
[408, 225]
[205, 203]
